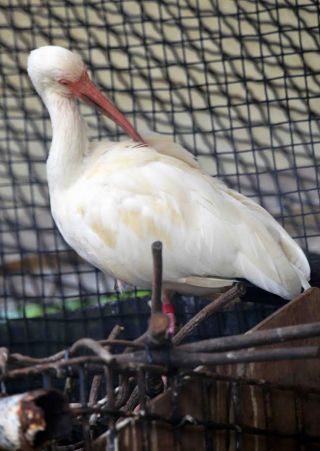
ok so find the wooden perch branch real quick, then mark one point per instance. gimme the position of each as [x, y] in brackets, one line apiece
[156, 304]
[295, 353]
[258, 338]
[221, 301]
[97, 378]
[157, 331]
[180, 359]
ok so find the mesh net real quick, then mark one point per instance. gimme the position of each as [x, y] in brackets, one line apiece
[236, 83]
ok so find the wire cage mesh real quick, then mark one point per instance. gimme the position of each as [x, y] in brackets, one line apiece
[236, 83]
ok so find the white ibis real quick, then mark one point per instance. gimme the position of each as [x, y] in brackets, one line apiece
[111, 200]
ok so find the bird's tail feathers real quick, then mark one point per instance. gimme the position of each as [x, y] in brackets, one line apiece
[303, 280]
[276, 262]
[283, 268]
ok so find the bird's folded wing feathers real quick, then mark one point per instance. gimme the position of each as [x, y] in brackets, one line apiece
[199, 286]
[290, 248]
[230, 234]
[164, 145]
[206, 282]
[161, 143]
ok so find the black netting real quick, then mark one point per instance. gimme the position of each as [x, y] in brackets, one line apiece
[237, 83]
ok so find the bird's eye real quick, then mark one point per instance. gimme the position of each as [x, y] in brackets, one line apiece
[63, 82]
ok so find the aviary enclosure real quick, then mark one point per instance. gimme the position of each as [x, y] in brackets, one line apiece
[237, 84]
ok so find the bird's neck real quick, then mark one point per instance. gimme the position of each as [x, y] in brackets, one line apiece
[69, 142]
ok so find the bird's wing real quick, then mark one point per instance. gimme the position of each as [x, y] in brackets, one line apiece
[292, 251]
[289, 247]
[164, 144]
[141, 195]
[199, 286]
[161, 143]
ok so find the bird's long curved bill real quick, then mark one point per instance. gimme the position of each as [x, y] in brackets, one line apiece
[86, 90]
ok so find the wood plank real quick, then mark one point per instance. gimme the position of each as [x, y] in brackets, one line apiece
[303, 309]
[257, 414]
[241, 403]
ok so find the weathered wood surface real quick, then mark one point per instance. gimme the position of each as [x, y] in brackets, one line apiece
[282, 411]
[217, 414]
[303, 309]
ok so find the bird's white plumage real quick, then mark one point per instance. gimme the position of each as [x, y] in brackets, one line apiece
[112, 200]
[50, 63]
[129, 197]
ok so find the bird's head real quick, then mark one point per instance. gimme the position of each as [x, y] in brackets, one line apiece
[51, 68]
[54, 69]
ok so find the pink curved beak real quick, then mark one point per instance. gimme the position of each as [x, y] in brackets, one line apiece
[86, 90]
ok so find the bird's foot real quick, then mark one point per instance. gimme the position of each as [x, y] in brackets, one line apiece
[169, 310]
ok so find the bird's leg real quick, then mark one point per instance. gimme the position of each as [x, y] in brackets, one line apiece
[117, 286]
[169, 310]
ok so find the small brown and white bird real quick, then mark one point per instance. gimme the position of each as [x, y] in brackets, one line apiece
[111, 200]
